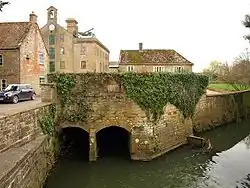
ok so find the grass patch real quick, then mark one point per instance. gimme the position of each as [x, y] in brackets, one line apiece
[226, 87]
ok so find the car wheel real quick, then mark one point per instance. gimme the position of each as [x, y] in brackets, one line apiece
[33, 97]
[15, 99]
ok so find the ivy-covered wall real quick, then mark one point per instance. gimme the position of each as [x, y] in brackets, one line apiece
[156, 109]
[151, 91]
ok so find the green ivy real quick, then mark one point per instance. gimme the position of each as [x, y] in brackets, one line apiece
[47, 122]
[151, 91]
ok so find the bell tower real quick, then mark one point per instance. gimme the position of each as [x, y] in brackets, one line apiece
[52, 15]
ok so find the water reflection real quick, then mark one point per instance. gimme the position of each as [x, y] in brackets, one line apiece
[228, 168]
[182, 168]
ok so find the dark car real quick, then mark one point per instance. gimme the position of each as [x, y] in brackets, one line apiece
[17, 92]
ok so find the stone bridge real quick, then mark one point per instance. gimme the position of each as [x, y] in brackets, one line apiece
[110, 107]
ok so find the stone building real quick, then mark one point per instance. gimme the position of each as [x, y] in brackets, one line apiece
[71, 50]
[23, 55]
[153, 60]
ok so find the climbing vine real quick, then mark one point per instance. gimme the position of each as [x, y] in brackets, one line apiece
[47, 121]
[151, 91]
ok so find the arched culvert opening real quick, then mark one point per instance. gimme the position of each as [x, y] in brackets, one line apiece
[74, 143]
[113, 141]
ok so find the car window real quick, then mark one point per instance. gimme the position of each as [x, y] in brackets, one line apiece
[21, 87]
[14, 88]
[11, 88]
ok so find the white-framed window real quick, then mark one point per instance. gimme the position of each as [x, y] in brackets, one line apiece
[62, 51]
[3, 84]
[130, 68]
[158, 68]
[42, 79]
[41, 58]
[179, 69]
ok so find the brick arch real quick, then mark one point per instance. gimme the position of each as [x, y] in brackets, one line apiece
[120, 126]
[73, 125]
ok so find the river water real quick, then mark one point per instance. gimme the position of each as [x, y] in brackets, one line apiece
[182, 168]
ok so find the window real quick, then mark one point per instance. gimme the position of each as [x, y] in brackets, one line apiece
[62, 37]
[42, 79]
[51, 39]
[3, 84]
[62, 51]
[158, 69]
[1, 60]
[62, 64]
[83, 49]
[52, 66]
[83, 64]
[130, 68]
[52, 53]
[179, 69]
[41, 58]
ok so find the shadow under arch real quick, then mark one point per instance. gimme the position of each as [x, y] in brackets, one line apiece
[74, 143]
[113, 141]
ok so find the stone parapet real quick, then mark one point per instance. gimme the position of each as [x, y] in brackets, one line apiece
[27, 166]
[19, 128]
[48, 92]
[219, 109]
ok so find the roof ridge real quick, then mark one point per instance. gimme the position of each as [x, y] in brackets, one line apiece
[151, 50]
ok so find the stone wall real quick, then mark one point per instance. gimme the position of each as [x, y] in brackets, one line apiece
[27, 166]
[10, 71]
[111, 107]
[20, 128]
[220, 109]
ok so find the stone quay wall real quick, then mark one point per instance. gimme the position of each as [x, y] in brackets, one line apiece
[27, 166]
[220, 109]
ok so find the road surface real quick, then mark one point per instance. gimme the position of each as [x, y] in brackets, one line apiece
[9, 108]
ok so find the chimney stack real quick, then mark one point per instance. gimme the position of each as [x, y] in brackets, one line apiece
[33, 17]
[140, 46]
[72, 25]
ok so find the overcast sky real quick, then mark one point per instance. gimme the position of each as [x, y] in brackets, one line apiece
[201, 30]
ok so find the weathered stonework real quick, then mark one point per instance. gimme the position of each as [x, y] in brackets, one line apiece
[111, 107]
[27, 166]
[20, 128]
[217, 110]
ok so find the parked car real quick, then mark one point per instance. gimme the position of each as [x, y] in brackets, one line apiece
[17, 92]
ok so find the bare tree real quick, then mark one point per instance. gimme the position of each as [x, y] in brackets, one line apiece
[2, 4]
[213, 70]
[237, 74]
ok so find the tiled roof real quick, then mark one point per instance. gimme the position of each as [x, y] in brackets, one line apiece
[12, 34]
[147, 56]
